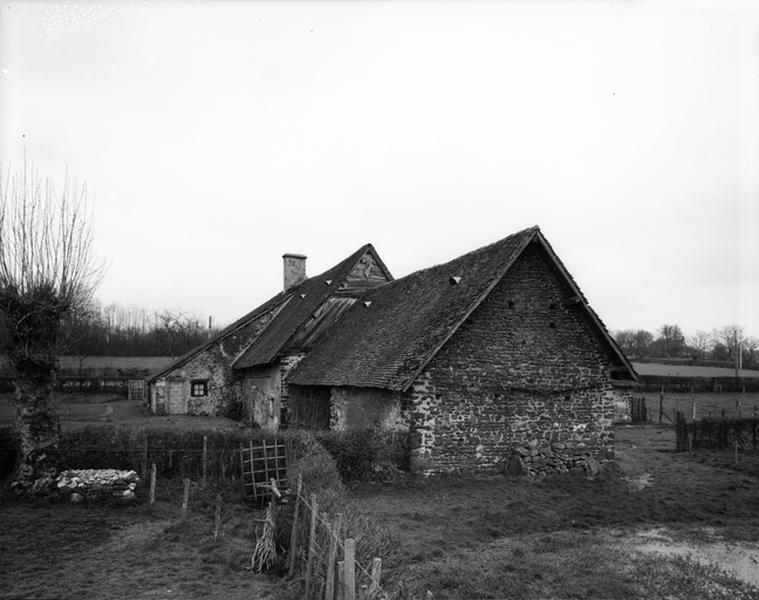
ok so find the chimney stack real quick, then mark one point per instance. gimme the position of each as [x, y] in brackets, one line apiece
[294, 269]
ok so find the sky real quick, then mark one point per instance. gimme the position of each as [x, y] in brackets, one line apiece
[215, 136]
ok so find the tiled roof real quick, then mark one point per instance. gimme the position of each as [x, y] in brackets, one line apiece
[297, 305]
[307, 298]
[385, 339]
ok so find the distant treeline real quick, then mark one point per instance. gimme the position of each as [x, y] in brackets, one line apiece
[722, 347]
[118, 330]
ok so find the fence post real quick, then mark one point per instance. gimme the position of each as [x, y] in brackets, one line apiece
[145, 455]
[185, 497]
[334, 536]
[661, 403]
[217, 518]
[205, 458]
[311, 545]
[340, 580]
[294, 531]
[693, 411]
[350, 569]
[152, 484]
[375, 577]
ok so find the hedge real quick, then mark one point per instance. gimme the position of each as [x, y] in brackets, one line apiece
[358, 455]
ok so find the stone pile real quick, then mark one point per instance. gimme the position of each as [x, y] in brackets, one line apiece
[97, 484]
[556, 458]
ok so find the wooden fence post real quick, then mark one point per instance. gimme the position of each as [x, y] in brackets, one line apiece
[661, 403]
[205, 458]
[374, 587]
[334, 537]
[152, 484]
[350, 569]
[217, 518]
[294, 531]
[340, 580]
[311, 545]
[185, 497]
[693, 411]
[145, 455]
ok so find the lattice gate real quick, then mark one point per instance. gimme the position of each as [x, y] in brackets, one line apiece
[262, 463]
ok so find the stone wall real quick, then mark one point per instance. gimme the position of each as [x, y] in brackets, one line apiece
[523, 371]
[214, 364]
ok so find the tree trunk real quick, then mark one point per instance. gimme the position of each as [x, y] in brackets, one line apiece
[38, 430]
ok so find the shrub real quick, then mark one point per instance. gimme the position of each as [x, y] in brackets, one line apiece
[368, 454]
[176, 453]
[320, 477]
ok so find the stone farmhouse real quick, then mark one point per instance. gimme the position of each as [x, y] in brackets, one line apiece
[492, 360]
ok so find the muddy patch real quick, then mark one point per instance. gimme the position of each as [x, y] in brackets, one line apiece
[738, 559]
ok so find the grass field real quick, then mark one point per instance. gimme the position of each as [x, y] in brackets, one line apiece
[660, 525]
[712, 404]
[78, 410]
[667, 370]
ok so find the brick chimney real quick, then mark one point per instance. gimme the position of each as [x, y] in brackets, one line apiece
[294, 269]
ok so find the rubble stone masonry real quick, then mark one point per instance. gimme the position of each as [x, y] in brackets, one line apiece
[522, 385]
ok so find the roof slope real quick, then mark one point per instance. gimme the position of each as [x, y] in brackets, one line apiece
[387, 343]
[295, 306]
[307, 298]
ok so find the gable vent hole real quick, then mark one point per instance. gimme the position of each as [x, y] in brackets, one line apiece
[454, 280]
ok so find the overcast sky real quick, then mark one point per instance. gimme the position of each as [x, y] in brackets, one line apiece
[216, 136]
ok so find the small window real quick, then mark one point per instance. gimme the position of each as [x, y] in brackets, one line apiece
[199, 387]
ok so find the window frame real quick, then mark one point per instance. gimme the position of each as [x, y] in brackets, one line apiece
[198, 382]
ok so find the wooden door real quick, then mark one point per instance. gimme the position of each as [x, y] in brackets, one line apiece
[177, 402]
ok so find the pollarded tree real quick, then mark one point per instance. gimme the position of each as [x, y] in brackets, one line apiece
[47, 270]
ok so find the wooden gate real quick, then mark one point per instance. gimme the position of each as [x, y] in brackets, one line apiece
[260, 464]
[136, 390]
[638, 412]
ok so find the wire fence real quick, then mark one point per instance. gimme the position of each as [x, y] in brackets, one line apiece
[327, 567]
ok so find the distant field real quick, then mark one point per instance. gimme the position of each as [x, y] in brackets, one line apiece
[734, 405]
[71, 363]
[665, 370]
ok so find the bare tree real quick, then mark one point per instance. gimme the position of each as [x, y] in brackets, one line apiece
[701, 342]
[671, 340]
[47, 269]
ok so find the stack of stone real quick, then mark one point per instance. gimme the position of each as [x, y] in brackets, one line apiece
[543, 459]
[97, 484]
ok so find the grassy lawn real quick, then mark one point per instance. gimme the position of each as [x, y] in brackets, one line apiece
[570, 537]
[78, 410]
[125, 552]
[659, 525]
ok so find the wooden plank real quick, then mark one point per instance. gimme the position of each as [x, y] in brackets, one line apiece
[152, 484]
[294, 531]
[266, 466]
[311, 545]
[350, 569]
[205, 457]
[185, 498]
[217, 518]
[334, 536]
[374, 586]
[340, 580]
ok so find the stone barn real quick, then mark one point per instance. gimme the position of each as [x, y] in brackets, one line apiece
[245, 365]
[492, 360]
